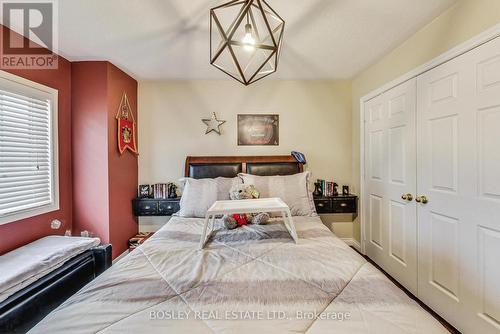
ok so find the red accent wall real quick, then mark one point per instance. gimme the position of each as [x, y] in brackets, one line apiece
[90, 158]
[21, 232]
[105, 182]
[96, 184]
[123, 169]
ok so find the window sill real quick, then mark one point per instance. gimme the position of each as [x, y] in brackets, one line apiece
[29, 213]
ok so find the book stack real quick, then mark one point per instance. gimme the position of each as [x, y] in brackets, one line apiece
[328, 188]
[138, 240]
[160, 191]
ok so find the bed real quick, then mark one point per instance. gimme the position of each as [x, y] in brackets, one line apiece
[254, 279]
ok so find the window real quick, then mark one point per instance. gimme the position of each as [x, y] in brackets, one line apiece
[28, 149]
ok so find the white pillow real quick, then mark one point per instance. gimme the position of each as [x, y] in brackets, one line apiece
[199, 195]
[292, 189]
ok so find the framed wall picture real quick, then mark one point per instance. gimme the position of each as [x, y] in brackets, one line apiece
[258, 129]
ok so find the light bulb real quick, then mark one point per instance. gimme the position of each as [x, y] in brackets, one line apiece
[248, 40]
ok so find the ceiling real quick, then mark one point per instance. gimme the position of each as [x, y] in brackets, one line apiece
[169, 39]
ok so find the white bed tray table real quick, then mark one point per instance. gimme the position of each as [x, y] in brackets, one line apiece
[270, 205]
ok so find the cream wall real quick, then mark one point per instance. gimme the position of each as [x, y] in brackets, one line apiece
[315, 118]
[461, 22]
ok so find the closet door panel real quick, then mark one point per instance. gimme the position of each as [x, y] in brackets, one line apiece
[483, 219]
[390, 174]
[488, 153]
[441, 137]
[375, 115]
[488, 307]
[375, 223]
[459, 172]
[401, 160]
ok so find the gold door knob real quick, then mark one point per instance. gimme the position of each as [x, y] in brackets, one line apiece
[422, 199]
[407, 197]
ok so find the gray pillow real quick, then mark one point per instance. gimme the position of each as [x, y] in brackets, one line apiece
[292, 189]
[224, 185]
[199, 195]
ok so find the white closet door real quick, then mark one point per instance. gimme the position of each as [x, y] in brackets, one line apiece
[459, 173]
[390, 175]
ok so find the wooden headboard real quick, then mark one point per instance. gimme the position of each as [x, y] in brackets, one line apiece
[211, 167]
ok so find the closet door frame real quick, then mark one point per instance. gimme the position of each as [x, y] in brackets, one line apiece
[465, 47]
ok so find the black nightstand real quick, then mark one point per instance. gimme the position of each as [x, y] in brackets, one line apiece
[338, 204]
[155, 207]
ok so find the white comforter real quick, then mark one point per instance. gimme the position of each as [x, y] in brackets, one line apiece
[251, 280]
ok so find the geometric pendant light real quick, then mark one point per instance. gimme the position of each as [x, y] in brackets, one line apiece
[245, 39]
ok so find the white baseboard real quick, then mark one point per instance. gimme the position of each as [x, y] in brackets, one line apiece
[353, 243]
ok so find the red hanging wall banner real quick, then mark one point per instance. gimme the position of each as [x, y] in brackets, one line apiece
[126, 127]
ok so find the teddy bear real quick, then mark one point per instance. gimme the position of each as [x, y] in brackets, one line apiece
[240, 192]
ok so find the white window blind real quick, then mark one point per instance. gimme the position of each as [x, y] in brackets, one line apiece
[27, 159]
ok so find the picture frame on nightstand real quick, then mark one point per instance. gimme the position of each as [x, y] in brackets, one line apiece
[345, 190]
[144, 191]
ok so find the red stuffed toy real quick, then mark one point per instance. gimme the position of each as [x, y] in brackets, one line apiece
[240, 219]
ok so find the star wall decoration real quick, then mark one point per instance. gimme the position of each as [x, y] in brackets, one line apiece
[213, 124]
